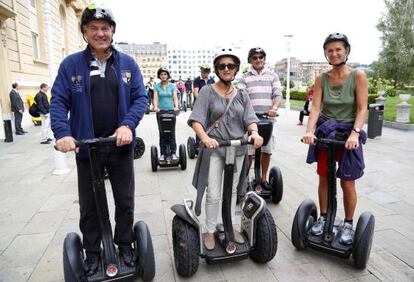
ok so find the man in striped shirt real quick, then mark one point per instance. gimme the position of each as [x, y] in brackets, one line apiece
[265, 92]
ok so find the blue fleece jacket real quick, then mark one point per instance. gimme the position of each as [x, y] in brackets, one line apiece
[351, 166]
[70, 107]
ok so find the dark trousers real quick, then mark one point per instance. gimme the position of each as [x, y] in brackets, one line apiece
[120, 168]
[18, 121]
[302, 114]
[166, 138]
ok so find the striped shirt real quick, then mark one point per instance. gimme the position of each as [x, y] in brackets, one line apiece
[264, 89]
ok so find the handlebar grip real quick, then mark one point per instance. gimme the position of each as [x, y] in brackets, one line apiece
[327, 141]
[240, 142]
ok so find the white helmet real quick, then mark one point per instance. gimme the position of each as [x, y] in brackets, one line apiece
[226, 52]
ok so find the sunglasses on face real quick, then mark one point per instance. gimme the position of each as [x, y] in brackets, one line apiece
[254, 58]
[228, 66]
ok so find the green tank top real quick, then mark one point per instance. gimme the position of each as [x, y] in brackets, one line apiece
[339, 101]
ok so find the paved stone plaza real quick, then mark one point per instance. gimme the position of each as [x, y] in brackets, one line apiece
[37, 209]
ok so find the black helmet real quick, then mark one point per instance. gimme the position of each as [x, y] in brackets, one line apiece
[257, 50]
[337, 37]
[161, 70]
[97, 12]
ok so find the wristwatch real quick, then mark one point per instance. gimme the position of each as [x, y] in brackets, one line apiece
[357, 130]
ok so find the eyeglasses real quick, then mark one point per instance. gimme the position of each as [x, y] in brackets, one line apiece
[228, 66]
[257, 57]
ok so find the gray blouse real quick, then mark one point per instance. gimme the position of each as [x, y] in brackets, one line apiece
[207, 110]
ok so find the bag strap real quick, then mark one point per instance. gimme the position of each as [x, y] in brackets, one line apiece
[217, 122]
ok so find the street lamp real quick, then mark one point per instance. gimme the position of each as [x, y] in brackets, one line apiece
[287, 103]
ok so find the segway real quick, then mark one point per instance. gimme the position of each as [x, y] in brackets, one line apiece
[139, 151]
[275, 188]
[329, 240]
[166, 127]
[139, 148]
[192, 147]
[257, 224]
[111, 267]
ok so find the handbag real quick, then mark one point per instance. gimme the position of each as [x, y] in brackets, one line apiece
[33, 110]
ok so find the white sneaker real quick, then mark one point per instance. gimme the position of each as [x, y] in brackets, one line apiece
[347, 234]
[317, 228]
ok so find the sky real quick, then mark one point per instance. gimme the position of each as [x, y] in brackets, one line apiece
[264, 23]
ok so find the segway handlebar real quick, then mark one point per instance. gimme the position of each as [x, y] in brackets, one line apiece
[235, 143]
[93, 141]
[327, 141]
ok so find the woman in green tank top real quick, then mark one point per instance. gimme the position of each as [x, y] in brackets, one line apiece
[340, 94]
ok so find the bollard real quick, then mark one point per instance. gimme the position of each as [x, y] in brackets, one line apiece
[8, 132]
[60, 164]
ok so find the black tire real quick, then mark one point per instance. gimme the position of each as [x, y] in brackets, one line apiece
[147, 110]
[73, 258]
[304, 218]
[185, 107]
[144, 251]
[183, 156]
[154, 158]
[186, 246]
[191, 147]
[276, 184]
[266, 239]
[139, 149]
[364, 234]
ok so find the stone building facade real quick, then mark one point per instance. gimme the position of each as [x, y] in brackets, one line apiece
[27, 29]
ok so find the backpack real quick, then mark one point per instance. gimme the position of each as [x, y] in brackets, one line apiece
[33, 110]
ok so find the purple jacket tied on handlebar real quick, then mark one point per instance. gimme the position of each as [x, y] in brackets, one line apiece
[351, 166]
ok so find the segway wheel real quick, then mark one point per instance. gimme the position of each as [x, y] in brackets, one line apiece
[154, 158]
[73, 258]
[191, 147]
[304, 218]
[147, 110]
[183, 157]
[276, 184]
[266, 239]
[139, 149]
[144, 251]
[186, 246]
[364, 234]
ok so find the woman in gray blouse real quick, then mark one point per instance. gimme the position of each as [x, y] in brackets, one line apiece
[213, 122]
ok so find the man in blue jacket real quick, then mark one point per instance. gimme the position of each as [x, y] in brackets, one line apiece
[102, 90]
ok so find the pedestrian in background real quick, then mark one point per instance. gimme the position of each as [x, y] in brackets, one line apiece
[17, 107]
[306, 107]
[42, 102]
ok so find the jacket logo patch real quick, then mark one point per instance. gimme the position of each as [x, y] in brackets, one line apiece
[126, 76]
[77, 83]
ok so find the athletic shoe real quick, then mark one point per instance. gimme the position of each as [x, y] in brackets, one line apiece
[317, 228]
[347, 234]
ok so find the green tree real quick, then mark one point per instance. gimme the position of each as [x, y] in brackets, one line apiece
[396, 60]
[291, 83]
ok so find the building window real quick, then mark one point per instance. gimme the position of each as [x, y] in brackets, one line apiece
[32, 4]
[35, 44]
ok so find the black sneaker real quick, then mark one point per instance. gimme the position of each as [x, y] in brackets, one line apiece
[91, 263]
[127, 255]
